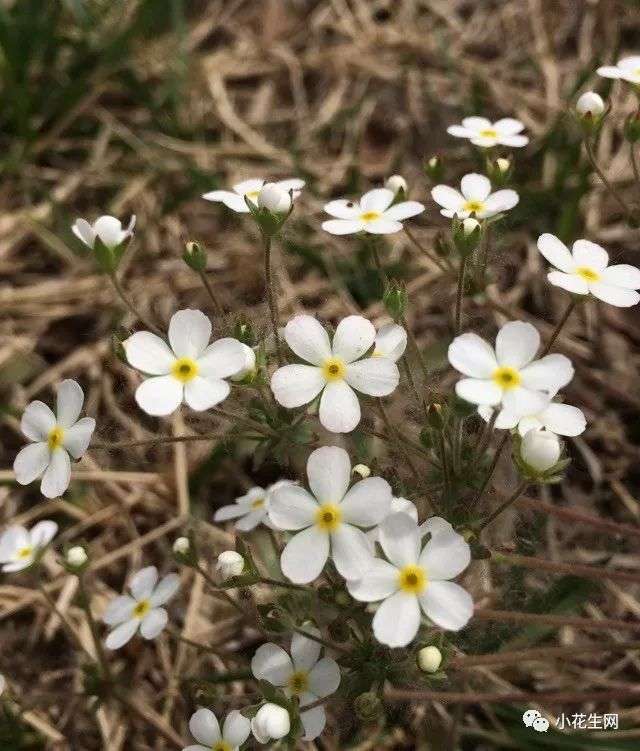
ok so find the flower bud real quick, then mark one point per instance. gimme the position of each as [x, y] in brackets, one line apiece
[590, 105]
[395, 300]
[362, 470]
[466, 234]
[181, 546]
[435, 417]
[184, 551]
[270, 723]
[540, 450]
[195, 256]
[249, 367]
[229, 564]
[274, 199]
[397, 184]
[632, 127]
[499, 170]
[243, 332]
[433, 168]
[367, 706]
[76, 559]
[429, 659]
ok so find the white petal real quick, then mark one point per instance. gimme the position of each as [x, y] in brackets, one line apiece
[382, 226]
[305, 652]
[204, 393]
[563, 419]
[204, 727]
[517, 343]
[251, 520]
[475, 187]
[550, 373]
[479, 391]
[223, 358]
[236, 729]
[476, 123]
[31, 462]
[485, 142]
[378, 199]
[143, 582]
[37, 421]
[404, 210]
[622, 298]
[308, 339]
[374, 376]
[570, 282]
[501, 200]
[448, 197]
[271, 663]
[525, 424]
[460, 131]
[231, 200]
[630, 62]
[76, 439]
[343, 226]
[436, 525]
[121, 634]
[252, 185]
[69, 401]
[295, 385]
[367, 503]
[42, 533]
[354, 336]
[304, 556]
[350, 551]
[313, 720]
[523, 401]
[148, 353]
[622, 275]
[160, 395]
[586, 253]
[232, 511]
[380, 581]
[609, 71]
[329, 473]
[83, 231]
[295, 184]
[165, 590]
[556, 252]
[397, 620]
[153, 623]
[446, 555]
[405, 506]
[515, 141]
[471, 355]
[189, 333]
[343, 209]
[508, 126]
[447, 604]
[400, 539]
[119, 610]
[324, 678]
[109, 230]
[57, 475]
[339, 408]
[391, 341]
[292, 507]
[12, 539]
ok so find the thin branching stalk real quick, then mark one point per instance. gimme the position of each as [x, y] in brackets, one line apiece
[460, 295]
[504, 506]
[271, 298]
[65, 624]
[492, 468]
[214, 300]
[85, 604]
[416, 349]
[621, 202]
[130, 306]
[396, 433]
[423, 250]
[219, 591]
[559, 327]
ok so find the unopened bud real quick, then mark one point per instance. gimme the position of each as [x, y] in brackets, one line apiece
[229, 564]
[540, 450]
[435, 418]
[397, 184]
[181, 546]
[367, 706]
[466, 234]
[429, 659]
[243, 332]
[195, 256]
[271, 722]
[395, 300]
[362, 470]
[76, 558]
[184, 551]
[434, 169]
[590, 104]
[500, 170]
[273, 198]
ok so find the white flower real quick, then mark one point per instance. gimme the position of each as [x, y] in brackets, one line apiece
[482, 132]
[627, 69]
[585, 270]
[181, 545]
[303, 675]
[398, 505]
[396, 183]
[273, 198]
[250, 189]
[54, 437]
[271, 722]
[329, 517]
[107, 228]
[429, 659]
[390, 341]
[205, 729]
[373, 213]
[509, 375]
[503, 165]
[556, 417]
[414, 580]
[540, 450]
[190, 370]
[336, 370]
[19, 548]
[475, 198]
[249, 364]
[591, 104]
[77, 556]
[229, 564]
[142, 609]
[251, 509]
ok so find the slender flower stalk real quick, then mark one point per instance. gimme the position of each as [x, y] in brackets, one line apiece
[130, 305]
[460, 295]
[219, 591]
[588, 145]
[314, 637]
[271, 297]
[558, 328]
[214, 300]
[503, 506]
[492, 468]
[85, 604]
[423, 250]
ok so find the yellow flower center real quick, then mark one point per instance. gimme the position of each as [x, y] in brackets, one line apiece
[141, 609]
[221, 746]
[413, 579]
[506, 377]
[473, 206]
[252, 195]
[55, 438]
[334, 369]
[298, 682]
[588, 274]
[184, 369]
[258, 503]
[328, 517]
[23, 553]
[370, 216]
[489, 133]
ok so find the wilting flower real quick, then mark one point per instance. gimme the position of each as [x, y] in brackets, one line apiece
[189, 370]
[20, 548]
[413, 580]
[141, 609]
[626, 69]
[205, 728]
[336, 370]
[55, 438]
[107, 228]
[475, 198]
[229, 564]
[303, 675]
[556, 417]
[250, 189]
[508, 375]
[482, 132]
[271, 722]
[251, 508]
[390, 341]
[540, 450]
[585, 270]
[330, 517]
[373, 213]
[590, 104]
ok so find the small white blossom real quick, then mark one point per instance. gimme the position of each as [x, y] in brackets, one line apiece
[107, 228]
[556, 417]
[329, 518]
[390, 341]
[429, 659]
[540, 450]
[250, 189]
[188, 369]
[303, 675]
[475, 197]
[626, 69]
[338, 369]
[20, 548]
[55, 438]
[77, 556]
[141, 609]
[374, 213]
[273, 198]
[271, 722]
[205, 728]
[503, 165]
[484, 133]
[585, 270]
[591, 104]
[396, 183]
[251, 509]
[229, 564]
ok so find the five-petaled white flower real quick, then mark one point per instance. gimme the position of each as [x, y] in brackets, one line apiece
[19, 547]
[250, 190]
[251, 508]
[626, 69]
[556, 417]
[413, 580]
[54, 437]
[142, 609]
[508, 375]
[373, 213]
[475, 198]
[303, 675]
[585, 270]
[107, 228]
[390, 341]
[190, 370]
[336, 370]
[482, 132]
[329, 517]
[205, 728]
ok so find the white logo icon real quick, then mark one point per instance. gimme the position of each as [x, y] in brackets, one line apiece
[533, 718]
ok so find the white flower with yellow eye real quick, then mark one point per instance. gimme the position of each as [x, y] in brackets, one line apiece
[250, 189]
[475, 197]
[188, 369]
[484, 133]
[250, 509]
[374, 213]
[390, 341]
[107, 229]
[20, 548]
[303, 675]
[55, 438]
[338, 369]
[205, 728]
[412, 580]
[626, 69]
[330, 517]
[585, 270]
[141, 609]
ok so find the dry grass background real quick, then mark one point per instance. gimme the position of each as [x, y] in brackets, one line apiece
[139, 107]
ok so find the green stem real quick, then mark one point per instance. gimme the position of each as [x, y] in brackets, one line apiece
[376, 258]
[319, 639]
[503, 506]
[634, 163]
[559, 327]
[423, 250]
[85, 604]
[271, 298]
[130, 306]
[460, 295]
[492, 468]
[214, 301]
[622, 203]
[284, 584]
[392, 431]
[218, 590]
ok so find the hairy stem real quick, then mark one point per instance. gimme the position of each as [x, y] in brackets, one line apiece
[460, 295]
[423, 250]
[503, 506]
[492, 468]
[271, 297]
[130, 306]
[588, 145]
[558, 328]
[85, 604]
[214, 300]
